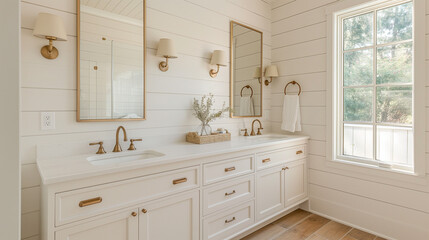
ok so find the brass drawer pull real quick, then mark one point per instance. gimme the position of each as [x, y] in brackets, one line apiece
[133, 214]
[228, 221]
[144, 210]
[285, 168]
[182, 180]
[91, 201]
[229, 169]
[228, 194]
[299, 152]
[266, 160]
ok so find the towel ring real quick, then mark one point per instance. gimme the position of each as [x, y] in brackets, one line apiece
[293, 82]
[247, 86]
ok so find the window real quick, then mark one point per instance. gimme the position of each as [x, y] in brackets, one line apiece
[375, 85]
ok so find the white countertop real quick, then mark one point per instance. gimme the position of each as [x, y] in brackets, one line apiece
[56, 170]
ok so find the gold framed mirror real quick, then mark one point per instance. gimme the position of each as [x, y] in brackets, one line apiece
[246, 59]
[111, 60]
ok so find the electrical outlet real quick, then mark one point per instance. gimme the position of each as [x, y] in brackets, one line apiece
[47, 120]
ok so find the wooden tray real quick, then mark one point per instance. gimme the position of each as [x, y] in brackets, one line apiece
[194, 137]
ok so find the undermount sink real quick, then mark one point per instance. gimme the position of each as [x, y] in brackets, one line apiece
[123, 157]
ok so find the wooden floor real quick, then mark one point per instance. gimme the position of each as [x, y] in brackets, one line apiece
[302, 225]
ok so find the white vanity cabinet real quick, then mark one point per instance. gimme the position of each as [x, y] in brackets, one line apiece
[216, 196]
[175, 217]
[123, 225]
[283, 183]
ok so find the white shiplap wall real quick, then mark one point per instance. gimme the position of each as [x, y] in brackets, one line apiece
[395, 209]
[197, 26]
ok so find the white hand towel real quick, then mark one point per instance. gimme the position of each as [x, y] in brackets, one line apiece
[291, 113]
[246, 106]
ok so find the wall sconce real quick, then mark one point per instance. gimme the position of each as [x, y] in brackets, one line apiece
[165, 49]
[51, 27]
[258, 74]
[270, 72]
[219, 59]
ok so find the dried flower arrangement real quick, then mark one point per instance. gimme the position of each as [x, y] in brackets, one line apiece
[205, 112]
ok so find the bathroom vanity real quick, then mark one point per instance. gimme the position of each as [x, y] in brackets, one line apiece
[180, 191]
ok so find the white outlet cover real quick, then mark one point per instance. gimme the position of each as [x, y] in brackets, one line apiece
[47, 120]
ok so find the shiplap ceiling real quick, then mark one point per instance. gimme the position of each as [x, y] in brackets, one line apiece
[128, 8]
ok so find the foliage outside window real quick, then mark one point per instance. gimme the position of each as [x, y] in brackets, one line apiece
[376, 81]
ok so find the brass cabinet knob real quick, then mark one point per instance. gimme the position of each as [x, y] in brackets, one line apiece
[133, 214]
[144, 210]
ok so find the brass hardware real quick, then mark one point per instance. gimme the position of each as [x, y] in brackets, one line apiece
[132, 146]
[49, 51]
[267, 82]
[144, 210]
[163, 66]
[117, 147]
[299, 152]
[285, 168]
[228, 194]
[259, 129]
[133, 214]
[103, 38]
[293, 82]
[247, 86]
[245, 132]
[95, 68]
[230, 169]
[100, 149]
[181, 180]
[91, 201]
[214, 73]
[266, 160]
[228, 221]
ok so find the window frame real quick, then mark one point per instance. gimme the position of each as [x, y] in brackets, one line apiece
[335, 14]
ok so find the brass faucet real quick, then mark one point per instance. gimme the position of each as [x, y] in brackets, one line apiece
[259, 129]
[118, 146]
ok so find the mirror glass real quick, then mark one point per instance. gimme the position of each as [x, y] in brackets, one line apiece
[246, 71]
[111, 60]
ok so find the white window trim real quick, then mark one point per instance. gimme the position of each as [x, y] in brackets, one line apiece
[419, 174]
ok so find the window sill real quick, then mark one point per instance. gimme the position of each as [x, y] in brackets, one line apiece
[355, 169]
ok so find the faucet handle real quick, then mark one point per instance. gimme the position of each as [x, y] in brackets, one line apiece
[245, 132]
[259, 131]
[100, 149]
[132, 146]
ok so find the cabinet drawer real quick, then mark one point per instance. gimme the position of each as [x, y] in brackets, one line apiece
[227, 194]
[218, 171]
[269, 159]
[224, 225]
[87, 202]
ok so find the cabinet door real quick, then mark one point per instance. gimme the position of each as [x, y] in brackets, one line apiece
[120, 226]
[175, 218]
[295, 181]
[269, 192]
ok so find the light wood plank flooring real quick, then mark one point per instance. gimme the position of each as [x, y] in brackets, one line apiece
[302, 225]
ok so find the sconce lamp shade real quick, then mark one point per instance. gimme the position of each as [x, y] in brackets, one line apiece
[271, 71]
[219, 58]
[257, 73]
[166, 48]
[50, 26]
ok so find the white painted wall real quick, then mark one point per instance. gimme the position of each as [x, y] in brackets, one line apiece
[389, 207]
[9, 128]
[197, 26]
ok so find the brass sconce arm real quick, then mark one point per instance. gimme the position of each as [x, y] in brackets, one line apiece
[163, 66]
[213, 73]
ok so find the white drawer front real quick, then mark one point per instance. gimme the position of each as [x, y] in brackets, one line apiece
[224, 225]
[87, 202]
[273, 158]
[224, 195]
[218, 171]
